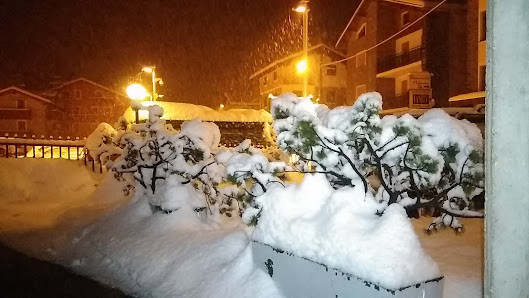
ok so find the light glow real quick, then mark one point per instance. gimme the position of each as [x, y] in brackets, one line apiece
[137, 92]
[147, 69]
[301, 9]
[221, 106]
[301, 66]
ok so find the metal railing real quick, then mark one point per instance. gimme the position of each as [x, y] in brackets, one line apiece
[394, 61]
[24, 147]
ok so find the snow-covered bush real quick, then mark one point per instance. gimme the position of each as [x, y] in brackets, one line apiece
[431, 163]
[100, 144]
[186, 168]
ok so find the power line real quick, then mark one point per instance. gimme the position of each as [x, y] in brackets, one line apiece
[387, 39]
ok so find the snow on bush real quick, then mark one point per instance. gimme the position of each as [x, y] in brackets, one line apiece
[186, 168]
[341, 229]
[434, 162]
[365, 176]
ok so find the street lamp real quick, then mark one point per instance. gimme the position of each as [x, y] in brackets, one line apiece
[303, 8]
[151, 70]
[137, 92]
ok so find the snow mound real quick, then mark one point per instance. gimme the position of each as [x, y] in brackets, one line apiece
[185, 111]
[341, 229]
[168, 255]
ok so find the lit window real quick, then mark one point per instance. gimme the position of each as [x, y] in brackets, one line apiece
[482, 25]
[360, 89]
[331, 70]
[404, 18]
[21, 125]
[361, 32]
[21, 104]
[361, 59]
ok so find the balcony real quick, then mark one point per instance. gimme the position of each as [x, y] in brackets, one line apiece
[15, 114]
[387, 63]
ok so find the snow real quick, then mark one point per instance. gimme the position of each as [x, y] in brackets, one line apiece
[145, 255]
[36, 193]
[340, 228]
[176, 254]
[185, 111]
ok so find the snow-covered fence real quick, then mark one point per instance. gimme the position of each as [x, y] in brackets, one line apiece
[41, 148]
[24, 147]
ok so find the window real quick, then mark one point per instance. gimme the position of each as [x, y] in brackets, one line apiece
[404, 18]
[21, 125]
[77, 93]
[482, 25]
[361, 59]
[330, 70]
[405, 47]
[361, 32]
[265, 80]
[360, 89]
[275, 75]
[21, 104]
[482, 72]
[98, 94]
[404, 87]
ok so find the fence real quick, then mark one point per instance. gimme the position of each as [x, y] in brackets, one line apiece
[16, 147]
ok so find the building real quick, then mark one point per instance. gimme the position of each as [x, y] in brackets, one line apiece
[327, 84]
[74, 109]
[80, 105]
[476, 61]
[24, 113]
[425, 61]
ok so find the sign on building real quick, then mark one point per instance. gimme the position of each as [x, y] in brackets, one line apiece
[420, 90]
[421, 98]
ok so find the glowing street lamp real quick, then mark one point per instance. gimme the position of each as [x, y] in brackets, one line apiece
[303, 8]
[301, 66]
[136, 92]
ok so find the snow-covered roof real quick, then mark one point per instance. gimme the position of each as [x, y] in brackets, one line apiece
[186, 111]
[467, 96]
[25, 92]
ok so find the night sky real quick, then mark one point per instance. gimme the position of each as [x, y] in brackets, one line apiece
[203, 49]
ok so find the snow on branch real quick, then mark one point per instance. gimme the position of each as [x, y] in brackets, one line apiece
[434, 162]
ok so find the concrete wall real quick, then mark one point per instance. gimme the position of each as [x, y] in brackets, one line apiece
[507, 150]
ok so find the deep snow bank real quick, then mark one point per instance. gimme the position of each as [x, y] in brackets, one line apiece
[341, 228]
[36, 192]
[168, 255]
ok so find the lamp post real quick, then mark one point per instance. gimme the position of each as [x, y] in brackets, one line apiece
[303, 8]
[151, 70]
